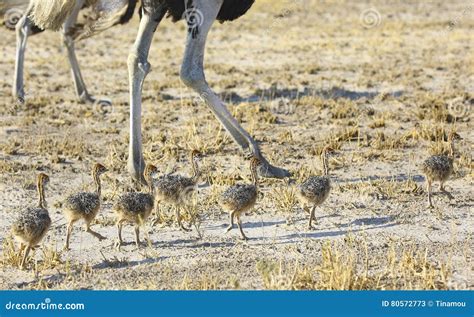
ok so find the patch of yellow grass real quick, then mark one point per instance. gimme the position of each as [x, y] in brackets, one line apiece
[348, 267]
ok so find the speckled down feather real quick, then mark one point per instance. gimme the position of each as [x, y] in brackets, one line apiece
[134, 204]
[438, 167]
[84, 203]
[239, 197]
[32, 224]
[170, 187]
[315, 189]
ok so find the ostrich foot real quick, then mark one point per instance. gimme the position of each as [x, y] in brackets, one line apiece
[230, 227]
[244, 238]
[19, 96]
[136, 168]
[96, 234]
[102, 104]
[182, 227]
[118, 245]
[445, 192]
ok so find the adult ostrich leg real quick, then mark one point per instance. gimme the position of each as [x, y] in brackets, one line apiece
[153, 12]
[26, 27]
[192, 74]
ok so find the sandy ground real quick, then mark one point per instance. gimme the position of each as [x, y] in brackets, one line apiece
[383, 93]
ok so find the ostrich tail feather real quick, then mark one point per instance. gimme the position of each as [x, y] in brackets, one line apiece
[51, 14]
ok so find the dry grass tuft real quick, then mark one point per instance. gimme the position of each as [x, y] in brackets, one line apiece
[348, 267]
[284, 199]
[10, 256]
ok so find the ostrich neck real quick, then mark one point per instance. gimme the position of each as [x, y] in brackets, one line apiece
[151, 187]
[325, 166]
[255, 177]
[195, 169]
[451, 149]
[42, 200]
[97, 184]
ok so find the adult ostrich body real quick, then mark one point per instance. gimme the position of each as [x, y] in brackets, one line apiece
[200, 16]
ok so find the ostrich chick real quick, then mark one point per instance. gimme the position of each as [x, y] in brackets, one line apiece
[240, 198]
[439, 168]
[176, 189]
[135, 207]
[33, 222]
[84, 205]
[315, 190]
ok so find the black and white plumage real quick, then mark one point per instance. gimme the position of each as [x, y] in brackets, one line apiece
[315, 190]
[33, 222]
[177, 190]
[136, 207]
[239, 198]
[438, 168]
[229, 11]
[84, 205]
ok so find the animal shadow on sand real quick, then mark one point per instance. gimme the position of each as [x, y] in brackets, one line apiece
[275, 92]
[376, 223]
[196, 243]
[117, 263]
[394, 178]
